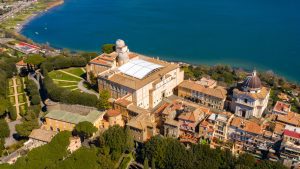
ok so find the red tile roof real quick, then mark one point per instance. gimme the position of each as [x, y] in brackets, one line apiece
[291, 134]
[282, 107]
[21, 63]
[112, 113]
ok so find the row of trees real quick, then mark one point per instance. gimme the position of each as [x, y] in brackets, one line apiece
[105, 155]
[219, 72]
[33, 92]
[170, 153]
[62, 62]
[63, 95]
[4, 132]
[7, 70]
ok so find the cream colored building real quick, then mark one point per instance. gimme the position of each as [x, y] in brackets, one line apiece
[147, 80]
[113, 117]
[250, 99]
[213, 97]
[60, 120]
[143, 127]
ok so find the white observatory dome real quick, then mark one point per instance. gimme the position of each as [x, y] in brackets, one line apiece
[122, 51]
[120, 43]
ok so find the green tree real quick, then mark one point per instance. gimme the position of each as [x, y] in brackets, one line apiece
[246, 160]
[35, 59]
[153, 163]
[85, 129]
[24, 129]
[115, 139]
[146, 163]
[35, 99]
[4, 104]
[2, 142]
[85, 158]
[47, 155]
[108, 48]
[103, 103]
[4, 129]
[12, 113]
[129, 145]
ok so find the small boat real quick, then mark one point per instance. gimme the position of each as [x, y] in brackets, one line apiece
[36, 33]
[45, 28]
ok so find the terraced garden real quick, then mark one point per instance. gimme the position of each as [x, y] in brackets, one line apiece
[68, 78]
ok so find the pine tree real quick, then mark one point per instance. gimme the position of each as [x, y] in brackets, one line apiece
[146, 165]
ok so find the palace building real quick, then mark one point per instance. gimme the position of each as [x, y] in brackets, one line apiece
[250, 99]
[144, 80]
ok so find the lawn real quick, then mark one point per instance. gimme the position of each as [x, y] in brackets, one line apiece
[62, 83]
[62, 76]
[18, 81]
[21, 98]
[11, 91]
[10, 82]
[19, 89]
[12, 99]
[75, 71]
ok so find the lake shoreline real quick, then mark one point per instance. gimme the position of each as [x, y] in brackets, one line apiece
[34, 15]
[164, 55]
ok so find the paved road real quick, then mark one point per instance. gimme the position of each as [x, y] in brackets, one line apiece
[12, 127]
[85, 90]
[17, 7]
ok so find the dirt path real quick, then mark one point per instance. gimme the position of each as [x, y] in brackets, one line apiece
[65, 80]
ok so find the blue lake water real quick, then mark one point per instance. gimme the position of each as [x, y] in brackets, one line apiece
[262, 34]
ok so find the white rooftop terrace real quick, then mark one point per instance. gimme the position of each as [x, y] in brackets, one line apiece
[138, 68]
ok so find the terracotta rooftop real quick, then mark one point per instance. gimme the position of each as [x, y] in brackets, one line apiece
[112, 113]
[21, 63]
[123, 102]
[142, 121]
[247, 125]
[279, 128]
[281, 107]
[217, 92]
[104, 59]
[290, 118]
[207, 82]
[42, 135]
[190, 116]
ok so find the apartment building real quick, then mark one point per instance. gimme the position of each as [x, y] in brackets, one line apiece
[213, 97]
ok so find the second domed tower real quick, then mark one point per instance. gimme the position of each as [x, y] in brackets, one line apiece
[252, 83]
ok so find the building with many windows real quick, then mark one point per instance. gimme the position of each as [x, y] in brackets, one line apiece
[147, 80]
[65, 117]
[213, 97]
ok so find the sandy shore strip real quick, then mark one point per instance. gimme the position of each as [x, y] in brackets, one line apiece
[51, 5]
